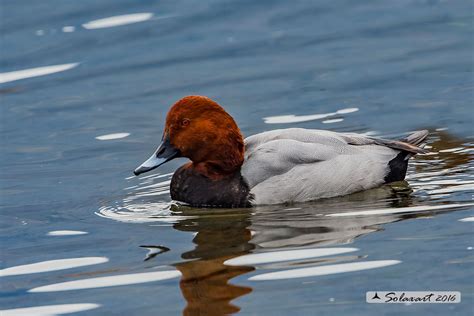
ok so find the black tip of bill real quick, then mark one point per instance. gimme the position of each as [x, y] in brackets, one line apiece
[152, 163]
[164, 153]
[142, 169]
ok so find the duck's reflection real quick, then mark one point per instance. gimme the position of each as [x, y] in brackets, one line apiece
[221, 236]
[205, 280]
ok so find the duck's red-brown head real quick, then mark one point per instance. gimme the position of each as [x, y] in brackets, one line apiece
[200, 129]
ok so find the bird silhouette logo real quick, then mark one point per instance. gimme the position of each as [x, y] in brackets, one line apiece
[376, 296]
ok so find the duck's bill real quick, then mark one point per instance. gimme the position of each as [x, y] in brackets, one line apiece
[164, 153]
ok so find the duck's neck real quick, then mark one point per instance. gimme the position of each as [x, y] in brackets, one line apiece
[216, 170]
[224, 161]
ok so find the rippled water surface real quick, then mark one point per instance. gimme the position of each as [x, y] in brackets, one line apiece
[85, 86]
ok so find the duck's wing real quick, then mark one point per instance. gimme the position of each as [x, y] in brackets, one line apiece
[409, 144]
[276, 152]
[305, 162]
[279, 156]
[297, 134]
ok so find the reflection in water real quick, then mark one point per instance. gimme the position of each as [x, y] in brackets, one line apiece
[117, 20]
[224, 240]
[286, 119]
[280, 241]
[66, 233]
[34, 72]
[446, 170]
[113, 136]
[48, 310]
[114, 280]
[411, 209]
[333, 121]
[288, 255]
[205, 279]
[323, 270]
[68, 29]
[154, 251]
[52, 265]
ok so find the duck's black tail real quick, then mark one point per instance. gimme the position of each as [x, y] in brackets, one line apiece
[398, 165]
[417, 138]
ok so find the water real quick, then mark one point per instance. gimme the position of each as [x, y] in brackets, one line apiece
[84, 90]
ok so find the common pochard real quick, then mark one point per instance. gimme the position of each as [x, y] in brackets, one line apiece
[278, 166]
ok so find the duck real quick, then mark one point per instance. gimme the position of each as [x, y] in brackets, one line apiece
[281, 166]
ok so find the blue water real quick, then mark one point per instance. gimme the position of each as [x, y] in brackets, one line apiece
[398, 65]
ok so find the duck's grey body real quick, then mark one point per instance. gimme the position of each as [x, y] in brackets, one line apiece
[297, 165]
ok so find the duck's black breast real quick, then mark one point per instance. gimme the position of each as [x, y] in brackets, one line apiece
[195, 189]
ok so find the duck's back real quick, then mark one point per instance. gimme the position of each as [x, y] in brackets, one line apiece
[296, 165]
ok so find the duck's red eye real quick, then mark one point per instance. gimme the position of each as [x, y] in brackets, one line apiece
[185, 122]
